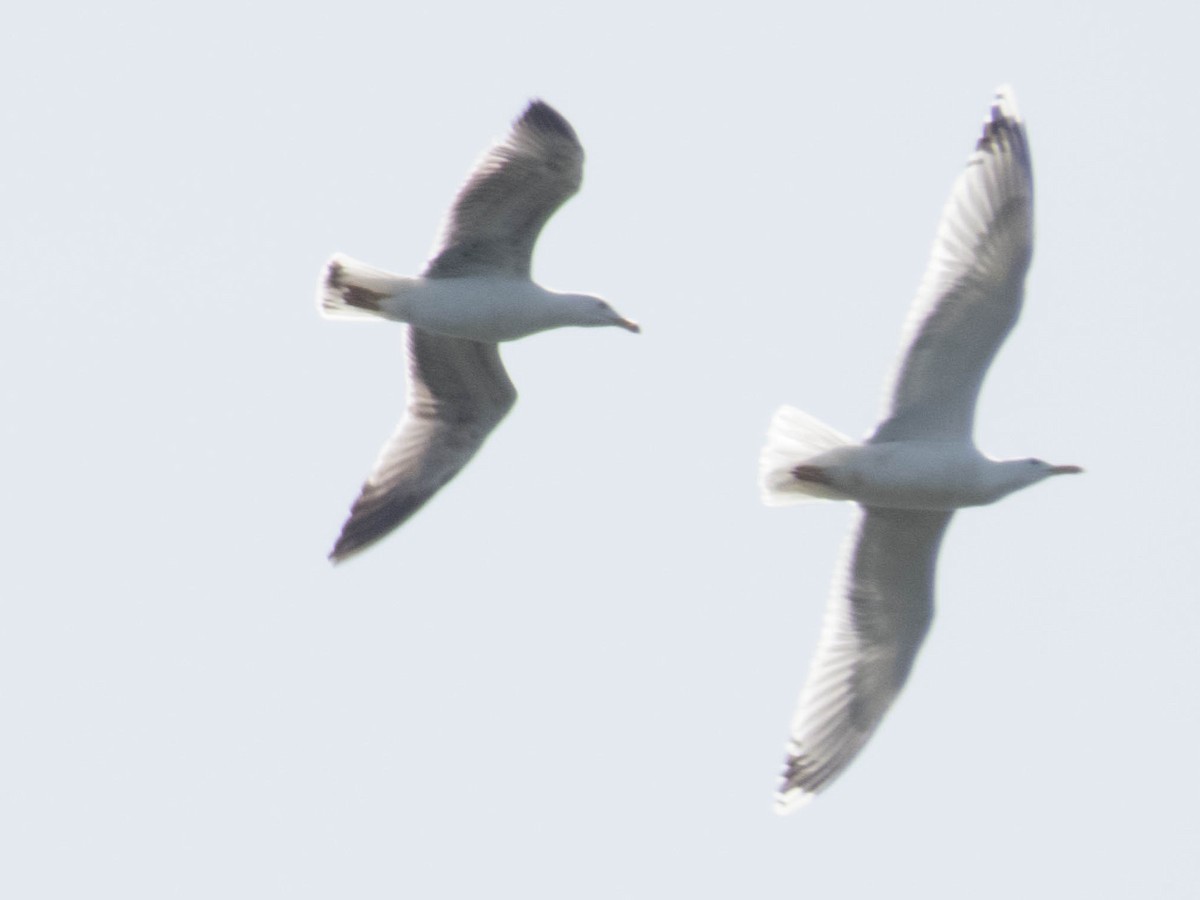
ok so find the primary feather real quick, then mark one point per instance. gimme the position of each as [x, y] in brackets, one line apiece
[971, 294]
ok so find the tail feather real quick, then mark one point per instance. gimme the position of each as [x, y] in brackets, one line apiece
[793, 438]
[353, 290]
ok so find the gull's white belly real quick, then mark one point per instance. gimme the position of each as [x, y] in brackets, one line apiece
[910, 475]
[480, 309]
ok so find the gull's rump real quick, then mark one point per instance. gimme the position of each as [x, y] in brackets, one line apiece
[350, 289]
[793, 438]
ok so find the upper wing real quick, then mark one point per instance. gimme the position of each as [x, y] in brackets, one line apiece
[971, 294]
[878, 614]
[512, 191]
[458, 392]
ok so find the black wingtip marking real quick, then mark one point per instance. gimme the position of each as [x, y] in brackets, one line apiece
[347, 547]
[541, 116]
[1000, 128]
[804, 774]
[372, 518]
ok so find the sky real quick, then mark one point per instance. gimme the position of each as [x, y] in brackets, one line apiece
[572, 673]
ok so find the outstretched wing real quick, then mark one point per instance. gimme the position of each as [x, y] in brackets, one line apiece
[971, 294]
[878, 614]
[458, 392]
[517, 185]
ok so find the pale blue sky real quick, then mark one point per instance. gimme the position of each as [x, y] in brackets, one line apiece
[571, 675]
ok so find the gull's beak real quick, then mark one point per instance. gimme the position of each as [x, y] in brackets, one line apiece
[629, 325]
[1065, 470]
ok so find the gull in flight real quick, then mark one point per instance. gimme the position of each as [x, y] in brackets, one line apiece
[919, 465]
[475, 291]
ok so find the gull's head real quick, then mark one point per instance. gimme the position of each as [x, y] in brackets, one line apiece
[1032, 470]
[593, 312]
[1014, 474]
[1045, 469]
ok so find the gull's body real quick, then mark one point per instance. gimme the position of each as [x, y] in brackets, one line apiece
[475, 292]
[918, 466]
[926, 475]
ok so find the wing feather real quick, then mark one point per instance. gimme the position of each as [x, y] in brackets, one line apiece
[458, 391]
[878, 614]
[972, 290]
[510, 194]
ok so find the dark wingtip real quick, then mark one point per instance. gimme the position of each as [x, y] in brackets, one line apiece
[1003, 124]
[350, 543]
[541, 116]
[339, 553]
[372, 518]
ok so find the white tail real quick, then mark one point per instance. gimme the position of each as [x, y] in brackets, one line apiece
[794, 438]
[350, 289]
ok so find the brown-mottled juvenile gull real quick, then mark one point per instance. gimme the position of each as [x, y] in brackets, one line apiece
[919, 465]
[475, 292]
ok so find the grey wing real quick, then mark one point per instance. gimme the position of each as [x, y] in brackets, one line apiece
[511, 193]
[458, 391]
[878, 615]
[971, 293]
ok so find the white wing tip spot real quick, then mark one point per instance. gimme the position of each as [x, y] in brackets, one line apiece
[1004, 105]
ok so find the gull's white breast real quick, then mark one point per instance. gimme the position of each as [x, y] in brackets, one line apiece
[928, 475]
[480, 308]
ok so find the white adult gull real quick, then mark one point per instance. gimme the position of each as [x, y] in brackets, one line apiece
[475, 291]
[918, 466]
